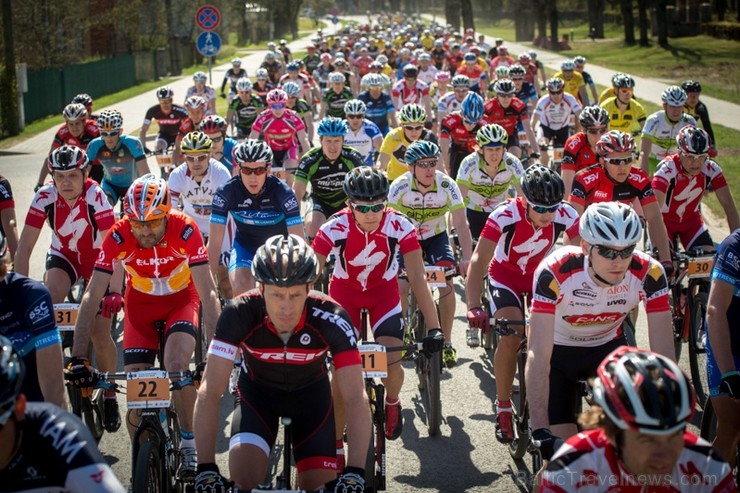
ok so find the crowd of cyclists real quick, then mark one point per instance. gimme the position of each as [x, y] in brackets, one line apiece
[433, 149]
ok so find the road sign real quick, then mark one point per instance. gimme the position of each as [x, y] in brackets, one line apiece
[208, 43]
[208, 17]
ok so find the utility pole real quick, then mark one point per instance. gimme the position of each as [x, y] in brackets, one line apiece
[8, 82]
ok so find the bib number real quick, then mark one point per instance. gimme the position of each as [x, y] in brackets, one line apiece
[147, 389]
[700, 267]
[65, 315]
[374, 360]
[164, 160]
[435, 276]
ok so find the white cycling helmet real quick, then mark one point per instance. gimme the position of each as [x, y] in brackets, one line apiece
[610, 223]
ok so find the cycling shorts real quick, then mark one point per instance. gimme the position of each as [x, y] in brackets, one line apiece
[714, 375]
[142, 311]
[476, 222]
[558, 137]
[691, 230]
[257, 412]
[73, 269]
[168, 138]
[513, 141]
[436, 250]
[383, 304]
[114, 192]
[97, 173]
[505, 296]
[568, 366]
[240, 257]
[324, 208]
[279, 157]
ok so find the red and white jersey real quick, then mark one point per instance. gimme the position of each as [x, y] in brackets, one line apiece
[279, 133]
[64, 137]
[302, 80]
[520, 245]
[578, 154]
[402, 94]
[589, 463]
[592, 185]
[75, 229]
[586, 314]
[683, 193]
[365, 261]
[448, 103]
[475, 73]
[556, 115]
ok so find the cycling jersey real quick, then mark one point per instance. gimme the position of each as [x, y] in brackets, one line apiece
[572, 85]
[475, 73]
[326, 177]
[6, 198]
[208, 94]
[590, 463]
[230, 78]
[187, 126]
[438, 57]
[527, 93]
[427, 76]
[160, 270]
[246, 113]
[701, 113]
[302, 107]
[362, 64]
[169, 123]
[426, 210]
[261, 88]
[402, 94]
[378, 109]
[321, 75]
[312, 62]
[196, 197]
[301, 80]
[593, 185]
[64, 137]
[362, 140]
[395, 145]
[279, 133]
[453, 61]
[510, 117]
[556, 115]
[586, 314]
[27, 319]
[56, 454]
[119, 163]
[606, 94]
[578, 154]
[448, 103]
[227, 154]
[727, 269]
[334, 101]
[274, 70]
[662, 133]
[462, 140]
[485, 192]
[629, 120]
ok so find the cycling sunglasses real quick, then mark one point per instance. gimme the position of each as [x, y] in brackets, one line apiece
[364, 209]
[597, 131]
[151, 224]
[355, 117]
[200, 157]
[413, 128]
[425, 163]
[612, 253]
[253, 171]
[110, 134]
[278, 106]
[545, 209]
[619, 161]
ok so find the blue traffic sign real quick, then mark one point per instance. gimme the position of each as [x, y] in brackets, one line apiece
[208, 43]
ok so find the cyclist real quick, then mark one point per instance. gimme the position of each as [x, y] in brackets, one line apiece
[122, 156]
[287, 55]
[335, 96]
[723, 350]
[582, 296]
[274, 67]
[540, 68]
[699, 111]
[300, 106]
[295, 75]
[42, 447]
[553, 113]
[79, 216]
[378, 103]
[580, 65]
[510, 112]
[523, 89]
[530, 72]
[611, 91]
[410, 90]
[199, 88]
[638, 438]
[362, 135]
[285, 320]
[452, 100]
[502, 59]
[662, 127]
[458, 131]
[324, 167]
[243, 110]
[616, 179]
[262, 84]
[427, 71]
[518, 234]
[8, 224]
[680, 183]
[580, 149]
[321, 73]
[168, 279]
[439, 88]
[474, 72]
[231, 77]
[625, 112]
[486, 175]
[425, 195]
[260, 204]
[168, 116]
[195, 106]
[573, 81]
[366, 238]
[28, 321]
[86, 101]
[453, 59]
[223, 147]
[312, 59]
[393, 148]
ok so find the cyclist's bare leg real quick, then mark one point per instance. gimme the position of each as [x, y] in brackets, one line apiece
[515, 150]
[247, 477]
[403, 290]
[340, 417]
[394, 381]
[447, 303]
[290, 165]
[728, 427]
[241, 280]
[224, 285]
[317, 219]
[504, 360]
[564, 430]
[58, 283]
[178, 350]
[315, 478]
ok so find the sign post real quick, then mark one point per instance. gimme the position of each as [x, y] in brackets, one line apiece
[208, 43]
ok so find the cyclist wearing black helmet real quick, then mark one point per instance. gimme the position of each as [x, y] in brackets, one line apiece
[285, 332]
[410, 90]
[698, 110]
[169, 117]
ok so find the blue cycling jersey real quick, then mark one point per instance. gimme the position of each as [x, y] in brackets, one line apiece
[727, 269]
[227, 158]
[378, 109]
[120, 163]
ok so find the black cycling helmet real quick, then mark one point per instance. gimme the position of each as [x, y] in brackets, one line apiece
[3, 245]
[285, 261]
[12, 371]
[366, 184]
[690, 86]
[542, 186]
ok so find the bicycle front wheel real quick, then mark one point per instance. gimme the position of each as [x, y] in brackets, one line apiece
[518, 447]
[697, 348]
[148, 473]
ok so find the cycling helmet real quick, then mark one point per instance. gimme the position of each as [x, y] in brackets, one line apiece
[610, 223]
[502, 71]
[375, 65]
[593, 116]
[692, 140]
[276, 96]
[643, 391]
[504, 86]
[354, 107]
[252, 151]
[442, 76]
[567, 65]
[3, 245]
[461, 81]
[12, 372]
[690, 86]
[165, 92]
[292, 89]
[147, 198]
[532, 54]
[212, 124]
[83, 99]
[285, 261]
[373, 80]
[195, 102]
[337, 78]
[425, 57]
[110, 121]
[243, 84]
[579, 59]
[366, 184]
[412, 113]
[325, 57]
[674, 96]
[196, 143]
[332, 127]
[623, 81]
[555, 84]
[615, 141]
[74, 111]
[269, 55]
[421, 149]
[492, 135]
[525, 59]
[200, 76]
[542, 186]
[517, 70]
[236, 61]
[382, 59]
[438, 43]
[470, 57]
[261, 74]
[293, 66]
[410, 70]
[472, 108]
[67, 158]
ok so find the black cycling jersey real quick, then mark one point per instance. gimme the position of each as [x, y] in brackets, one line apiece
[335, 101]
[56, 453]
[169, 123]
[701, 113]
[302, 107]
[327, 178]
[247, 113]
[230, 77]
[6, 198]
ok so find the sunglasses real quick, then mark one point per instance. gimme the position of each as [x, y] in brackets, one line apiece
[413, 128]
[507, 96]
[619, 161]
[253, 171]
[596, 131]
[279, 106]
[612, 253]
[110, 134]
[555, 92]
[151, 224]
[695, 157]
[517, 78]
[199, 158]
[544, 209]
[355, 117]
[426, 163]
[364, 209]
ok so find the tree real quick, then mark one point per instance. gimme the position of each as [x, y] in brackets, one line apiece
[662, 19]
[452, 13]
[8, 83]
[596, 18]
[643, 21]
[467, 14]
[629, 22]
[552, 15]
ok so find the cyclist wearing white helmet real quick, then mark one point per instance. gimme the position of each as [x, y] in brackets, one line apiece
[335, 96]
[574, 83]
[662, 127]
[199, 88]
[243, 110]
[378, 103]
[262, 84]
[580, 62]
[362, 134]
[231, 77]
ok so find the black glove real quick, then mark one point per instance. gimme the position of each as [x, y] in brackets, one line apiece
[148, 151]
[37, 187]
[432, 342]
[223, 95]
[730, 384]
[548, 443]
[352, 481]
[668, 268]
[535, 155]
[209, 480]
[80, 374]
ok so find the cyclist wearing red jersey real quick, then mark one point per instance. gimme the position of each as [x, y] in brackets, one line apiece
[519, 233]
[168, 279]
[680, 183]
[8, 224]
[580, 149]
[510, 112]
[582, 296]
[637, 438]
[410, 90]
[458, 132]
[474, 72]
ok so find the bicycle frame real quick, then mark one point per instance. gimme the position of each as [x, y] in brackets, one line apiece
[375, 467]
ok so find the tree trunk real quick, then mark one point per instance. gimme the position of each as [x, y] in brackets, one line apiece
[8, 82]
[629, 22]
[553, 18]
[662, 18]
[452, 13]
[395, 5]
[466, 8]
[596, 18]
[643, 20]
[542, 23]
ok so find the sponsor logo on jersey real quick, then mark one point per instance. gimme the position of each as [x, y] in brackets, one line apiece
[222, 349]
[637, 177]
[187, 232]
[620, 301]
[39, 312]
[68, 444]
[290, 355]
[292, 203]
[340, 322]
[600, 195]
[586, 292]
[733, 260]
[588, 319]
[588, 179]
[218, 201]
[619, 289]
[117, 238]
[305, 339]
[154, 261]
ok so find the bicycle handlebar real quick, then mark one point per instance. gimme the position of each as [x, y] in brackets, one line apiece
[502, 326]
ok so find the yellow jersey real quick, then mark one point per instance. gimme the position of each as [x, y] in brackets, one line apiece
[629, 121]
[573, 85]
[394, 145]
[606, 94]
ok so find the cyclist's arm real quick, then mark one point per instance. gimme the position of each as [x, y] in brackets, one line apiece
[377, 142]
[728, 205]
[392, 117]
[88, 310]
[208, 403]
[656, 229]
[303, 141]
[142, 134]
[533, 127]
[660, 333]
[426, 102]
[529, 130]
[583, 95]
[568, 175]
[537, 371]
[216, 232]
[718, 326]
[49, 362]
[444, 157]
[29, 237]
[44, 172]
[645, 146]
[142, 167]
[417, 278]
[477, 271]
[299, 189]
[383, 160]
[176, 155]
[308, 121]
[357, 409]
[463, 233]
[297, 229]
[206, 287]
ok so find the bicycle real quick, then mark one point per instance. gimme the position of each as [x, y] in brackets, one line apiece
[708, 432]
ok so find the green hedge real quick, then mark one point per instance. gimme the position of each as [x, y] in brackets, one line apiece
[722, 30]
